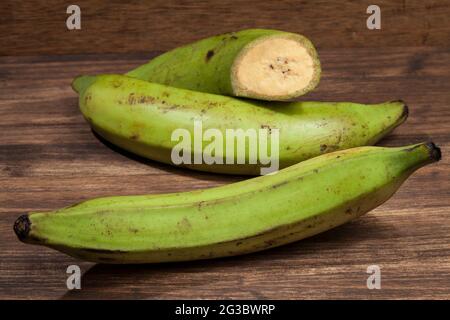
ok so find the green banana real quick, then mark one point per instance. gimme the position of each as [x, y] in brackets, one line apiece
[255, 63]
[141, 117]
[256, 214]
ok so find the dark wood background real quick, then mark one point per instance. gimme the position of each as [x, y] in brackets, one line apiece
[49, 158]
[39, 27]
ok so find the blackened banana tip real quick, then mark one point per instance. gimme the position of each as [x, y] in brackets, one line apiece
[22, 227]
[405, 112]
[434, 151]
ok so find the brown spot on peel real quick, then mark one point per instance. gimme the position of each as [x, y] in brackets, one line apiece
[275, 186]
[131, 98]
[209, 55]
[134, 99]
[184, 225]
[266, 126]
[116, 83]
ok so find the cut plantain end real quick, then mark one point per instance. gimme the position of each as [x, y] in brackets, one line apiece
[279, 67]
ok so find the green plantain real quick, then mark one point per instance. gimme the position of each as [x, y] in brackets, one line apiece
[141, 117]
[252, 215]
[254, 63]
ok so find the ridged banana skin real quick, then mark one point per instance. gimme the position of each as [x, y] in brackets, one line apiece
[248, 216]
[140, 117]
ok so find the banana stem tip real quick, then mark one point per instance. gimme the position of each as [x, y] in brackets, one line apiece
[434, 151]
[22, 226]
[82, 82]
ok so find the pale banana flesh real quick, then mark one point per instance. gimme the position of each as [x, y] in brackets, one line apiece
[248, 216]
[140, 117]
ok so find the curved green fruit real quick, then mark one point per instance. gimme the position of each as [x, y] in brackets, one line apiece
[254, 63]
[252, 215]
[141, 117]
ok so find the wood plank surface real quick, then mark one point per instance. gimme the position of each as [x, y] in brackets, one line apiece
[49, 158]
[39, 27]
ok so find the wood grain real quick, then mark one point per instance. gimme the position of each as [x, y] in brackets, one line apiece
[39, 27]
[49, 158]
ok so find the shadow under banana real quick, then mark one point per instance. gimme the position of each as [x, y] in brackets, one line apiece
[171, 280]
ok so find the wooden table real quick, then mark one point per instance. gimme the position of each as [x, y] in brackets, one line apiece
[49, 158]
